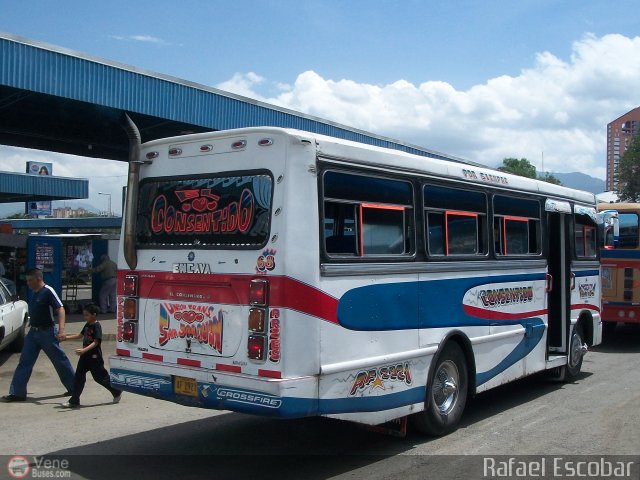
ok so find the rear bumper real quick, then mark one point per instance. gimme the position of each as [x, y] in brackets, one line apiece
[286, 398]
[621, 313]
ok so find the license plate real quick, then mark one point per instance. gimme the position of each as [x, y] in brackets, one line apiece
[185, 386]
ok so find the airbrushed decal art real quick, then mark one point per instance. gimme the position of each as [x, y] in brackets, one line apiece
[505, 301]
[380, 378]
[198, 321]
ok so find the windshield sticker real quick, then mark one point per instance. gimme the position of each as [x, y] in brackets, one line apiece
[200, 322]
[206, 211]
[200, 212]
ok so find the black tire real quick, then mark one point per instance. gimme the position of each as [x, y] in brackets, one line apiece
[446, 393]
[18, 342]
[576, 354]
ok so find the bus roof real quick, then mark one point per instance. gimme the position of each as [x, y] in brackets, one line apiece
[385, 158]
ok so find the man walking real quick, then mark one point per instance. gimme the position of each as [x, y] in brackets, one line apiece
[42, 336]
[107, 296]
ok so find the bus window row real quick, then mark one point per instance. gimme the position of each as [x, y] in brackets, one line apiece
[370, 216]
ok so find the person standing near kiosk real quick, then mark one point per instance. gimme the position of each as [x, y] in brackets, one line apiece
[107, 296]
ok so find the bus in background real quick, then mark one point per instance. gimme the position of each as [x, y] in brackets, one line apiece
[285, 273]
[620, 258]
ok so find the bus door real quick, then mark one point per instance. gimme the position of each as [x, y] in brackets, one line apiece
[558, 275]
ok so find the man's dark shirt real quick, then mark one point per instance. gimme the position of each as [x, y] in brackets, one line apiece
[42, 307]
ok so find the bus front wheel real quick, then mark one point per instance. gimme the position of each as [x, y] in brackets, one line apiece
[446, 393]
[577, 349]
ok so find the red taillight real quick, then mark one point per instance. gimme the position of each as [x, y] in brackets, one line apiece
[265, 142]
[239, 144]
[206, 148]
[259, 292]
[131, 285]
[130, 309]
[256, 347]
[152, 155]
[174, 152]
[258, 319]
[129, 332]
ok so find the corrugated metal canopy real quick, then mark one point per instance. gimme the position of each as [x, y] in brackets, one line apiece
[57, 100]
[20, 187]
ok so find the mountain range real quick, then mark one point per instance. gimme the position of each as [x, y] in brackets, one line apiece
[581, 181]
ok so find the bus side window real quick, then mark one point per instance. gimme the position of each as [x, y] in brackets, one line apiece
[585, 237]
[456, 221]
[340, 228]
[516, 226]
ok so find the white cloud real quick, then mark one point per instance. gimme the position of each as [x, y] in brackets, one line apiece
[555, 109]
[143, 39]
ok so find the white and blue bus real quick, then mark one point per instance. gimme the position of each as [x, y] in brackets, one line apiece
[284, 273]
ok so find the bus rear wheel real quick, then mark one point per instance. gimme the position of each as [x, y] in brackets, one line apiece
[446, 393]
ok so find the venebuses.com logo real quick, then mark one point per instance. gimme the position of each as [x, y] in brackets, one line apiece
[19, 466]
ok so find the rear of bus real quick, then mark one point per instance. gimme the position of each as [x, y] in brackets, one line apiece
[620, 260]
[206, 288]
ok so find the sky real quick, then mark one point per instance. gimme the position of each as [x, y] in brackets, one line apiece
[481, 80]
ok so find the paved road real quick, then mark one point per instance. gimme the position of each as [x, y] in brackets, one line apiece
[598, 414]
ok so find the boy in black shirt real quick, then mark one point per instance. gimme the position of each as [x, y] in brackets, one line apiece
[90, 358]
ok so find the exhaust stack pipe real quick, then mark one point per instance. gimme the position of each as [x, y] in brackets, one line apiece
[131, 210]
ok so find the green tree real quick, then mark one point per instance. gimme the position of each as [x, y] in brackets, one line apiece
[549, 178]
[520, 167]
[629, 172]
[523, 168]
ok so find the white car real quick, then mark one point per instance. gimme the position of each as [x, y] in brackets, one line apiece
[14, 317]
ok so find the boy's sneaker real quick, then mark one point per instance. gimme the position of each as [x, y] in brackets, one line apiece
[116, 398]
[70, 405]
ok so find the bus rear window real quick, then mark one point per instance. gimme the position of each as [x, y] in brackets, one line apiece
[221, 211]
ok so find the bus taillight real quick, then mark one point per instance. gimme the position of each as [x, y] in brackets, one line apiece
[257, 320]
[131, 285]
[130, 309]
[259, 292]
[258, 317]
[256, 347]
[129, 332]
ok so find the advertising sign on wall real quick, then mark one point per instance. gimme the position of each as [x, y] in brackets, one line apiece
[39, 168]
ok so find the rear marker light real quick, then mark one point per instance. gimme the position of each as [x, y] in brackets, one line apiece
[259, 292]
[129, 332]
[257, 317]
[131, 285]
[256, 347]
[206, 148]
[152, 155]
[239, 144]
[130, 309]
[174, 152]
[265, 142]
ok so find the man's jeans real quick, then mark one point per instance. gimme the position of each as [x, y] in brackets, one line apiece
[35, 341]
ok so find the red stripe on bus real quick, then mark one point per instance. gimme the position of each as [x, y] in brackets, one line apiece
[188, 363]
[269, 373]
[284, 292]
[585, 306]
[228, 368]
[122, 352]
[153, 356]
[492, 315]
